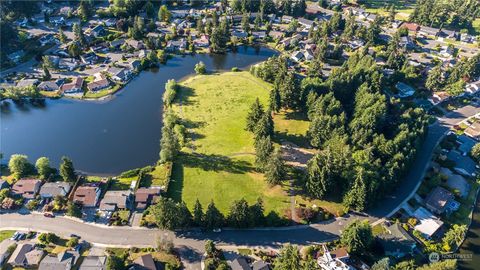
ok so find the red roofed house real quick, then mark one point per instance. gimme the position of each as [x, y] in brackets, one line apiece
[27, 188]
[412, 27]
[99, 83]
[74, 86]
[87, 196]
[146, 196]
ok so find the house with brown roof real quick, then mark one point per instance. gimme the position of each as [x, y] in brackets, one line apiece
[87, 196]
[440, 200]
[473, 131]
[146, 196]
[73, 87]
[144, 262]
[27, 188]
[100, 82]
[412, 27]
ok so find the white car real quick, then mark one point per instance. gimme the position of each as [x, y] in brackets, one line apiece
[217, 230]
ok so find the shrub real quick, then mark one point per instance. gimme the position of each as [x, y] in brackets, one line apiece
[200, 68]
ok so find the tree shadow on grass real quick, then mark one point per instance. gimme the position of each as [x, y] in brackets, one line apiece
[185, 94]
[296, 116]
[299, 140]
[212, 162]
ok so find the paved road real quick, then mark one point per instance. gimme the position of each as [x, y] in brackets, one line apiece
[190, 244]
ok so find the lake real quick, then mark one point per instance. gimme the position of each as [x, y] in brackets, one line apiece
[107, 137]
[471, 246]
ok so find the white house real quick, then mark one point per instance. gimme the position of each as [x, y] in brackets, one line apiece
[297, 56]
[427, 224]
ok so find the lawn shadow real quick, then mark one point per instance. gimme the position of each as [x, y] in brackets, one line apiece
[294, 115]
[185, 94]
[175, 186]
[147, 180]
[299, 140]
[212, 162]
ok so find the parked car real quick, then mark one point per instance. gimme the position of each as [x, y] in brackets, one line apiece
[48, 214]
[14, 236]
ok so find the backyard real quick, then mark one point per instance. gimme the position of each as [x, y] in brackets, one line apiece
[217, 162]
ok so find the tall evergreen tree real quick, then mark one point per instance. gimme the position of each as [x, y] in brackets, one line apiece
[275, 168]
[198, 213]
[263, 150]
[213, 218]
[254, 115]
[67, 172]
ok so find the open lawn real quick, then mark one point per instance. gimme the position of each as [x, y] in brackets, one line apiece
[158, 177]
[5, 235]
[217, 162]
[292, 127]
[476, 26]
[403, 7]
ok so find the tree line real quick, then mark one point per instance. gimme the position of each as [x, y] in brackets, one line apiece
[173, 215]
[449, 14]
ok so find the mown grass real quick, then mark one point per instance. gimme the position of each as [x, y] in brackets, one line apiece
[158, 177]
[292, 127]
[217, 163]
[6, 234]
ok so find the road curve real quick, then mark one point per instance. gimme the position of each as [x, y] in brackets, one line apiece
[409, 185]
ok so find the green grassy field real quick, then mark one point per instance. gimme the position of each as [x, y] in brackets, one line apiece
[217, 162]
[403, 7]
[292, 127]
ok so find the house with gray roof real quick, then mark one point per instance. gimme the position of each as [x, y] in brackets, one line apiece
[116, 199]
[396, 241]
[18, 256]
[4, 250]
[63, 261]
[48, 86]
[52, 189]
[94, 263]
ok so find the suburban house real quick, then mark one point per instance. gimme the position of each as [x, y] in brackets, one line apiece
[135, 44]
[259, 34]
[27, 83]
[98, 31]
[334, 261]
[87, 196]
[94, 263]
[146, 196]
[89, 58]
[176, 45]
[100, 82]
[4, 250]
[62, 261]
[396, 241]
[33, 258]
[456, 182]
[134, 64]
[240, 263]
[306, 23]
[48, 86]
[203, 41]
[73, 87]
[440, 200]
[67, 63]
[428, 31]
[260, 265]
[464, 165]
[18, 256]
[473, 131]
[428, 224]
[297, 56]
[117, 43]
[52, 189]
[115, 199]
[119, 74]
[27, 188]
[144, 262]
[472, 88]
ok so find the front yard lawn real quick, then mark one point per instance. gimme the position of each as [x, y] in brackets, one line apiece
[6, 234]
[158, 177]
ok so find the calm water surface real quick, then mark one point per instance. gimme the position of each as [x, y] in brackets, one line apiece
[108, 137]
